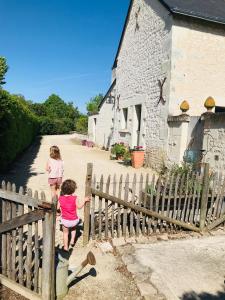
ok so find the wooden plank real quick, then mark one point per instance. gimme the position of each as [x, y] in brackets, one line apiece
[197, 213]
[28, 261]
[204, 196]
[183, 213]
[13, 266]
[28, 294]
[36, 252]
[88, 182]
[47, 257]
[93, 211]
[215, 182]
[158, 195]
[9, 236]
[27, 218]
[23, 199]
[126, 195]
[181, 187]
[113, 207]
[221, 199]
[107, 209]
[151, 203]
[216, 203]
[215, 223]
[168, 212]
[190, 196]
[100, 209]
[145, 211]
[194, 197]
[144, 204]
[118, 207]
[4, 238]
[163, 201]
[20, 241]
[139, 203]
[133, 201]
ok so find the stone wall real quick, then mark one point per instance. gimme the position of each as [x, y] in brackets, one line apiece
[198, 64]
[144, 58]
[214, 140]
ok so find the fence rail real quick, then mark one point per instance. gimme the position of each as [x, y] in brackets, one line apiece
[27, 242]
[142, 205]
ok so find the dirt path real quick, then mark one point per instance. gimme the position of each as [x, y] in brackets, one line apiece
[106, 281]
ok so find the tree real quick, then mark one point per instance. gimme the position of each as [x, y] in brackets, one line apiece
[3, 70]
[57, 108]
[82, 124]
[92, 105]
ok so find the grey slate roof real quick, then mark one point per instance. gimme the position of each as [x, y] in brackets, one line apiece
[210, 10]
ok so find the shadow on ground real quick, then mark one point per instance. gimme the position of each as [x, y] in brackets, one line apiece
[203, 296]
[20, 171]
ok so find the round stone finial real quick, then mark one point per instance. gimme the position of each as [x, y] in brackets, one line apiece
[184, 107]
[210, 103]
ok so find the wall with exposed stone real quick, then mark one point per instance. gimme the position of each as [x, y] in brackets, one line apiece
[198, 64]
[214, 140]
[144, 58]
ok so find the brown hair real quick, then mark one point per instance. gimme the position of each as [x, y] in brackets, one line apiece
[68, 187]
[55, 152]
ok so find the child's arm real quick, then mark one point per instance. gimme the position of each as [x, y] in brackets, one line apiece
[86, 199]
[48, 168]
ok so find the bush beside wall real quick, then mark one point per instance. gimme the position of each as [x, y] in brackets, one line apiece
[18, 127]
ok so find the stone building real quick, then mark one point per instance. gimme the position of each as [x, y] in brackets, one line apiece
[170, 50]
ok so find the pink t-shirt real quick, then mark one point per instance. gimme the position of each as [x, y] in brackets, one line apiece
[55, 168]
[68, 207]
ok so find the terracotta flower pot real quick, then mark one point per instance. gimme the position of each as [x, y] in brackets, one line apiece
[137, 159]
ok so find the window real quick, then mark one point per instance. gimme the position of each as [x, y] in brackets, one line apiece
[124, 118]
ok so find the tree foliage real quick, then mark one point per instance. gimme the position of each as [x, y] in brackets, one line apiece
[82, 124]
[3, 70]
[55, 115]
[18, 127]
[93, 104]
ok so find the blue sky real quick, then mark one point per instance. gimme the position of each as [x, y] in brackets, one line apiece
[65, 47]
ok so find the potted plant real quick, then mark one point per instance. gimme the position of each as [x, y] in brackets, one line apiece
[137, 157]
[118, 150]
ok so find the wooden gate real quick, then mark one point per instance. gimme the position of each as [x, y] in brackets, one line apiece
[142, 205]
[27, 228]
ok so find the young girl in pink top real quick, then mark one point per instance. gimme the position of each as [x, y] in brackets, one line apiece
[55, 170]
[68, 206]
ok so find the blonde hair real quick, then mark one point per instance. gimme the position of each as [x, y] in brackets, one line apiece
[55, 152]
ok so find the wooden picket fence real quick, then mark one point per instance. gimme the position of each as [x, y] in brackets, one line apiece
[143, 206]
[27, 228]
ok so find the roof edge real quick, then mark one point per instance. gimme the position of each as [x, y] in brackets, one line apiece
[109, 90]
[123, 33]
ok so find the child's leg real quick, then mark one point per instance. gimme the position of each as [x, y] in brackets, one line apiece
[53, 190]
[65, 237]
[73, 235]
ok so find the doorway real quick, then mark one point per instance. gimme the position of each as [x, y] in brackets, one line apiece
[137, 125]
[94, 129]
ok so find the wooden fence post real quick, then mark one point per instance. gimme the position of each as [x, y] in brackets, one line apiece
[87, 204]
[204, 196]
[48, 260]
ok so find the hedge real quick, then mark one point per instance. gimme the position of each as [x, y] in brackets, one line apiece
[18, 127]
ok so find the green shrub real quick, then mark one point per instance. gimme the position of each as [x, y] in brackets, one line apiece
[18, 127]
[118, 149]
[82, 124]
